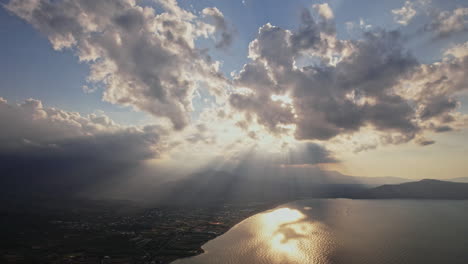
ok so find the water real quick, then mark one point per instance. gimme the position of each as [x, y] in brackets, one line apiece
[346, 231]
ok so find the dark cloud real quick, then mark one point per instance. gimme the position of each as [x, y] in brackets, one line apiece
[270, 113]
[364, 147]
[309, 154]
[252, 135]
[441, 129]
[393, 114]
[302, 154]
[308, 35]
[51, 147]
[437, 106]
[424, 142]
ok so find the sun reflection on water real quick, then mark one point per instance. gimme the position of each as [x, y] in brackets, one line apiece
[286, 232]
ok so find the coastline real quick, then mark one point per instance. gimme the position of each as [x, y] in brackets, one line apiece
[199, 250]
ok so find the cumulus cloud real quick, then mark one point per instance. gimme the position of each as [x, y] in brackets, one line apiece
[348, 85]
[457, 50]
[404, 14]
[324, 10]
[144, 59]
[435, 86]
[436, 106]
[327, 100]
[305, 82]
[47, 143]
[447, 23]
[29, 125]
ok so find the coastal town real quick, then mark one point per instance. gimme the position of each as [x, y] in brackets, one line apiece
[157, 235]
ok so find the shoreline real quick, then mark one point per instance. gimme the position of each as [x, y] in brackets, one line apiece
[200, 250]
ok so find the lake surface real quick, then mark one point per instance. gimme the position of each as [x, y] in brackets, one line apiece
[346, 231]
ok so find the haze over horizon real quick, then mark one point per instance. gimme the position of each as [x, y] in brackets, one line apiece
[133, 93]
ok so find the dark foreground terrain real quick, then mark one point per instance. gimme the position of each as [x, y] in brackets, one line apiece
[112, 232]
[45, 229]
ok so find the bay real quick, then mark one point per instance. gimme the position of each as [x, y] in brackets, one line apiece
[346, 231]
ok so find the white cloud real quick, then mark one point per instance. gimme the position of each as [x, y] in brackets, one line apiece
[87, 89]
[447, 23]
[457, 50]
[324, 10]
[143, 59]
[404, 14]
[149, 61]
[357, 27]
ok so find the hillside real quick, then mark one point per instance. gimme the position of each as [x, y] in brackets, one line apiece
[424, 189]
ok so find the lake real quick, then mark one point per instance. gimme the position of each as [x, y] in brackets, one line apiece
[346, 231]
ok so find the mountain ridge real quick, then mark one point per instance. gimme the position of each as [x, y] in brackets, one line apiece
[423, 189]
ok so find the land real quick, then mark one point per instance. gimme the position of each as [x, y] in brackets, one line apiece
[102, 232]
[423, 189]
[59, 229]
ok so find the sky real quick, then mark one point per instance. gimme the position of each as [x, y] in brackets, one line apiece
[365, 88]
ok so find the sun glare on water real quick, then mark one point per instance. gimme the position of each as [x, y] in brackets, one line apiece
[286, 230]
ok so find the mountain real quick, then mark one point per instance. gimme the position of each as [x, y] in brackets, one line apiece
[219, 187]
[267, 185]
[424, 189]
[459, 179]
[336, 177]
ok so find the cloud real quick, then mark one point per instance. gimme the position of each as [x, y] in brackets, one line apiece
[143, 59]
[45, 144]
[324, 10]
[299, 154]
[435, 87]
[221, 26]
[447, 23]
[309, 154]
[31, 126]
[346, 85]
[441, 129]
[404, 14]
[357, 27]
[424, 142]
[326, 100]
[87, 89]
[201, 134]
[436, 106]
[304, 82]
[457, 50]
[365, 147]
